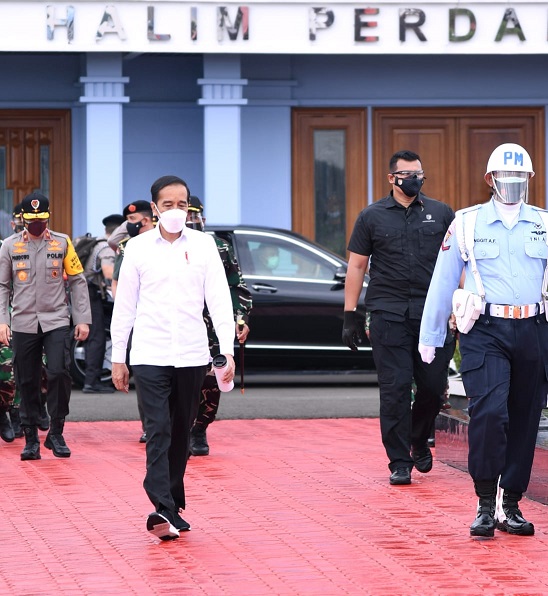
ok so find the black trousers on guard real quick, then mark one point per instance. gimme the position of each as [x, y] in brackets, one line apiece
[398, 362]
[169, 398]
[27, 362]
[95, 343]
[504, 371]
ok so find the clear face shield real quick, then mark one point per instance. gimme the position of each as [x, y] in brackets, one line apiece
[511, 187]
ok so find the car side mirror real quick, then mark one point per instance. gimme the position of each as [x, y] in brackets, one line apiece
[340, 275]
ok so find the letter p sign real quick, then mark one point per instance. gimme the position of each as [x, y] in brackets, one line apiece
[513, 157]
[319, 18]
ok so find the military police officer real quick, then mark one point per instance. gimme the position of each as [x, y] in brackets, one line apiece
[33, 264]
[241, 304]
[501, 245]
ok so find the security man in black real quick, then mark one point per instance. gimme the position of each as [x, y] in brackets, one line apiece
[398, 238]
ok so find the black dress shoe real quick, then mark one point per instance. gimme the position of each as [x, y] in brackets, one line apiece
[143, 438]
[97, 388]
[400, 476]
[422, 458]
[516, 524]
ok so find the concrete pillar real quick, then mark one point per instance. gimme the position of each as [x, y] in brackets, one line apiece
[104, 98]
[222, 98]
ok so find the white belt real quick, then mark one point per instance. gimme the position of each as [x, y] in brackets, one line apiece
[507, 311]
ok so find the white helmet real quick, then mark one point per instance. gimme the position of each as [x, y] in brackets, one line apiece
[511, 167]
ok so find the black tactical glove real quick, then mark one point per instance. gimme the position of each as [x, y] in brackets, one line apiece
[350, 330]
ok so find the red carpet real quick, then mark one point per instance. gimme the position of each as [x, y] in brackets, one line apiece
[279, 507]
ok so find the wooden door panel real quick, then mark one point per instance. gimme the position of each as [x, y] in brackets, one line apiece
[305, 122]
[25, 135]
[427, 138]
[479, 136]
[455, 144]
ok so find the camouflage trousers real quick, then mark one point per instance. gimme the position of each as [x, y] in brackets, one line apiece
[8, 394]
[210, 396]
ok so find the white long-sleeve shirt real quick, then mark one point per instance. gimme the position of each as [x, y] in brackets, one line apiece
[161, 292]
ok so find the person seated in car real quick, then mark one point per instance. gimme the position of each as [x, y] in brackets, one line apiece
[266, 259]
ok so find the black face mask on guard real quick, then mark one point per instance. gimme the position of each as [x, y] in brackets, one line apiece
[410, 186]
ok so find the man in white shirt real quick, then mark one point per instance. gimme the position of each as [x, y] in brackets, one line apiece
[166, 276]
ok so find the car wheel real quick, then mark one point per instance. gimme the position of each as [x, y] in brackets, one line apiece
[78, 361]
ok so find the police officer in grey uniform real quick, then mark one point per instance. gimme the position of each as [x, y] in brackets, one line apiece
[505, 353]
[33, 263]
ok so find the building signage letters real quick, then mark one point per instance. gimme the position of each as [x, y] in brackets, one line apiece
[289, 27]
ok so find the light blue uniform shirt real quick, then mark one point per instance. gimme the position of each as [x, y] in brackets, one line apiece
[510, 261]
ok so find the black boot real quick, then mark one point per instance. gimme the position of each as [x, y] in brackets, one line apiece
[484, 524]
[32, 444]
[55, 440]
[43, 423]
[16, 422]
[513, 521]
[6, 430]
[198, 442]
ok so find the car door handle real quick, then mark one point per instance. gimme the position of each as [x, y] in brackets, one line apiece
[264, 288]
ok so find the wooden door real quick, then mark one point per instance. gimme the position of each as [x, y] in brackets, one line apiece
[35, 154]
[329, 182]
[454, 145]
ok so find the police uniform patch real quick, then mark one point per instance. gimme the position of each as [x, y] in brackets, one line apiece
[55, 274]
[22, 275]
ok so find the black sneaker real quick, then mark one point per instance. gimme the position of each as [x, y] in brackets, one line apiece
[180, 523]
[161, 525]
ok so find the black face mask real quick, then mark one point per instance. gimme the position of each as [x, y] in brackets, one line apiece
[410, 186]
[133, 228]
[37, 227]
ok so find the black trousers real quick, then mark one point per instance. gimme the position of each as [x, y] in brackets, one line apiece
[504, 371]
[169, 398]
[95, 343]
[398, 362]
[27, 362]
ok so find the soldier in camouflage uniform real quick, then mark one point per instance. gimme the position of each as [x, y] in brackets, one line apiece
[241, 304]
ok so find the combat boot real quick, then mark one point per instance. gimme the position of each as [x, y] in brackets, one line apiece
[484, 524]
[6, 430]
[32, 444]
[198, 442]
[511, 519]
[16, 422]
[55, 440]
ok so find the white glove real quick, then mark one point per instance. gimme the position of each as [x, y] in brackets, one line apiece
[427, 353]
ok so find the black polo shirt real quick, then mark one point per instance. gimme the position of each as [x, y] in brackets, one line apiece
[403, 246]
